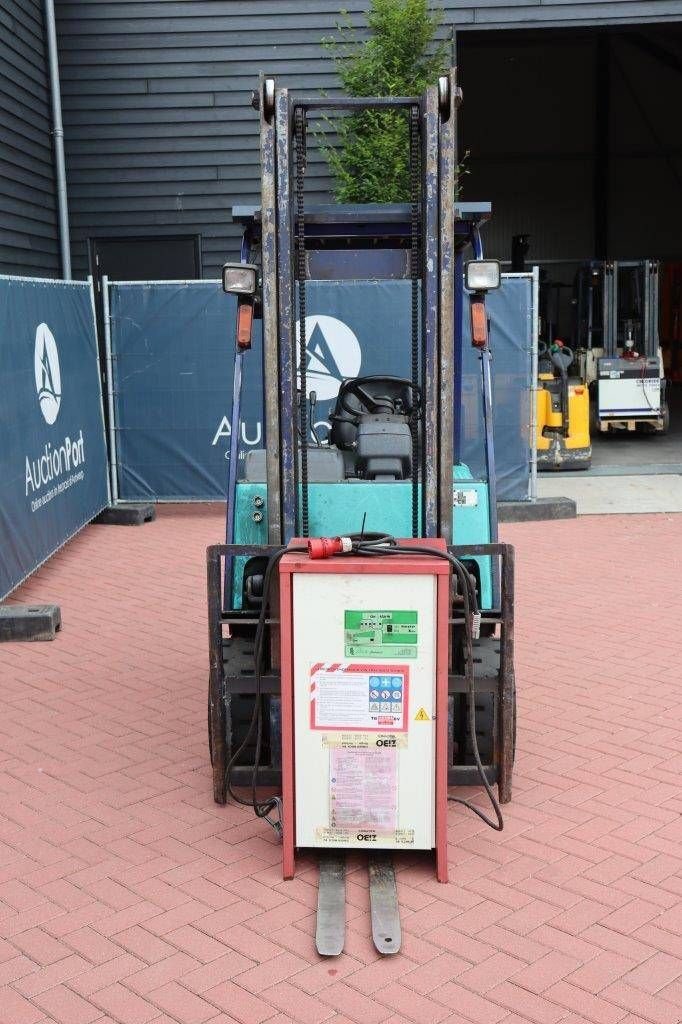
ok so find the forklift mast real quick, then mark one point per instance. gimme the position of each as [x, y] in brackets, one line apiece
[609, 296]
[617, 338]
[289, 251]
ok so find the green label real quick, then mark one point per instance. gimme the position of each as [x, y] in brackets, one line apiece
[383, 634]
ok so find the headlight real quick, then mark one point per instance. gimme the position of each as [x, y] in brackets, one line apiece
[240, 278]
[482, 275]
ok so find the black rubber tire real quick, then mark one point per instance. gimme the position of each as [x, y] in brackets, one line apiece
[594, 418]
[208, 726]
[513, 718]
[665, 410]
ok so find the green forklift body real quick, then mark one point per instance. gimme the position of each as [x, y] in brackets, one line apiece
[340, 508]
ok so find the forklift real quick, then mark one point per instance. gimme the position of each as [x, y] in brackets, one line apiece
[563, 404]
[617, 340]
[360, 613]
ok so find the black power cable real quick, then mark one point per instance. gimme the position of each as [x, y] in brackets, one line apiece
[381, 545]
[261, 809]
[471, 615]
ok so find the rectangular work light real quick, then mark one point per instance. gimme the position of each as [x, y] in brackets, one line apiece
[240, 278]
[482, 275]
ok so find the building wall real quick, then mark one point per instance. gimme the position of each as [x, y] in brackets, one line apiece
[160, 137]
[28, 224]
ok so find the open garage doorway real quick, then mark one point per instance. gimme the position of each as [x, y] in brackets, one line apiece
[574, 136]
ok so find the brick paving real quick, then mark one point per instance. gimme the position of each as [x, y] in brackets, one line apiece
[126, 895]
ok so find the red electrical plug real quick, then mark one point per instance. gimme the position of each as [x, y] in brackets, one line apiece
[325, 547]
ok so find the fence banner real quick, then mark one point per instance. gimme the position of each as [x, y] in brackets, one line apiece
[53, 458]
[173, 351]
[511, 342]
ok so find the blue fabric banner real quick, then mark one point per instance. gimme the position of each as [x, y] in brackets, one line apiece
[173, 353]
[53, 458]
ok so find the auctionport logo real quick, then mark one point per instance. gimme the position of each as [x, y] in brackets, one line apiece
[333, 354]
[60, 464]
[47, 373]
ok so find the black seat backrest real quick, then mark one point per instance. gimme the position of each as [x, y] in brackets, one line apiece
[344, 429]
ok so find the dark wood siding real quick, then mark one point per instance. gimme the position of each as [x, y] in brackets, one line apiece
[159, 133]
[28, 226]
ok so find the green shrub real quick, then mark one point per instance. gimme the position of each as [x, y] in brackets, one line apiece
[401, 57]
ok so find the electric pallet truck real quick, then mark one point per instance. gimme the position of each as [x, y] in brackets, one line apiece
[563, 412]
[360, 618]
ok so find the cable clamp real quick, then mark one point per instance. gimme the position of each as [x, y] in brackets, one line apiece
[276, 823]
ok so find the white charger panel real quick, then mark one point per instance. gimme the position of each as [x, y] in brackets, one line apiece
[364, 668]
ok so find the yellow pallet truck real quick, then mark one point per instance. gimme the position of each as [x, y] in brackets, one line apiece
[563, 412]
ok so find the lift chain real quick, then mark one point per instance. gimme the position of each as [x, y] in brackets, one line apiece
[415, 274]
[300, 135]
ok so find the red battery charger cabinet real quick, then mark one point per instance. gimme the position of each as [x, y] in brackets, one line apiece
[364, 649]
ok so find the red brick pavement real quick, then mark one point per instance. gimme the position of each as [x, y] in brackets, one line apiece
[126, 895]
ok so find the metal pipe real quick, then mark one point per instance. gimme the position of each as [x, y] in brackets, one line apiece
[91, 286]
[533, 481]
[110, 390]
[58, 133]
[233, 465]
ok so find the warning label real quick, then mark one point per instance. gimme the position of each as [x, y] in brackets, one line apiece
[382, 634]
[363, 789]
[356, 697]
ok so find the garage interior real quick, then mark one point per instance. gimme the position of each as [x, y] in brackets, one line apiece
[573, 135]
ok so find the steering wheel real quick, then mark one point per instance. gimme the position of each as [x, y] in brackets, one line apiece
[375, 404]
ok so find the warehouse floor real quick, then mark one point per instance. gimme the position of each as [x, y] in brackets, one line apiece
[126, 895]
[630, 473]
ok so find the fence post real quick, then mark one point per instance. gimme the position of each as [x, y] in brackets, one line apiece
[91, 284]
[533, 480]
[113, 459]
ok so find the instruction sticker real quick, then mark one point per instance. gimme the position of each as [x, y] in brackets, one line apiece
[363, 789]
[366, 698]
[465, 497]
[364, 837]
[381, 634]
[366, 740]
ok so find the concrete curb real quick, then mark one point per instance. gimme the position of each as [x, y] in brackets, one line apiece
[126, 515]
[536, 511]
[29, 621]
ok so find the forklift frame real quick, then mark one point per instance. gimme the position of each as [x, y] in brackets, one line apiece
[227, 678]
[441, 261]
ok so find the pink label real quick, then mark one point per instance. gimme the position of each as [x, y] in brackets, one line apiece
[363, 789]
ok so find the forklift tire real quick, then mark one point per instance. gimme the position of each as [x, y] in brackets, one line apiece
[210, 737]
[219, 781]
[665, 416]
[513, 718]
[594, 418]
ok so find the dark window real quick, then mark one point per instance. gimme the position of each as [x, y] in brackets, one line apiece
[174, 258]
